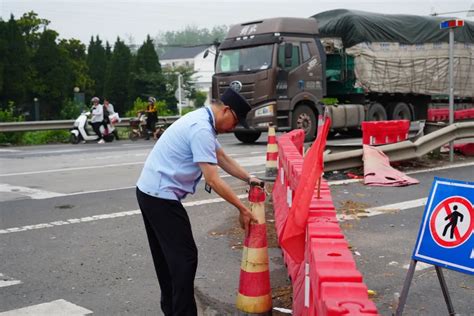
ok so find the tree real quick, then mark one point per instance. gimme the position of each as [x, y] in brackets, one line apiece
[55, 75]
[147, 59]
[3, 52]
[76, 53]
[171, 77]
[97, 64]
[146, 79]
[118, 75]
[192, 35]
[31, 27]
[16, 72]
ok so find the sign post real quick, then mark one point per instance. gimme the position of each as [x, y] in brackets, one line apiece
[446, 235]
[451, 25]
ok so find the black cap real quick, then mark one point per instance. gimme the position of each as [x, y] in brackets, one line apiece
[238, 104]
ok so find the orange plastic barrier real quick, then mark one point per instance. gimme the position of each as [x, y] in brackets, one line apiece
[384, 132]
[327, 282]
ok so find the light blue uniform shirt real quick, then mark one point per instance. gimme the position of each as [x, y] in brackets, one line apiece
[171, 170]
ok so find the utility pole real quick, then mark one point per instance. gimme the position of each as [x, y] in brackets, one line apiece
[451, 25]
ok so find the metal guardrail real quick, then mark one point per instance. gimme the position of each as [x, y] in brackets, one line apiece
[403, 150]
[65, 124]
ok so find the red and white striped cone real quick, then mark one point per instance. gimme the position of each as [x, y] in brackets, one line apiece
[255, 295]
[271, 168]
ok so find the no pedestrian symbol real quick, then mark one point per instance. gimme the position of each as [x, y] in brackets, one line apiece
[446, 236]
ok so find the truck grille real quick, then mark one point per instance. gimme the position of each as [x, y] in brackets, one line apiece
[247, 91]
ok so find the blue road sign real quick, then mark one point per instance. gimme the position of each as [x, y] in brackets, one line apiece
[446, 236]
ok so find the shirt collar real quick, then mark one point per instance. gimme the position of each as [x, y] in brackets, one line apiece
[212, 119]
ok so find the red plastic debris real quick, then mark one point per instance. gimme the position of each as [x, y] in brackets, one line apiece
[378, 172]
[466, 149]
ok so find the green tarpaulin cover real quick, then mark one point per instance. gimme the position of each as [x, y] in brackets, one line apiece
[355, 27]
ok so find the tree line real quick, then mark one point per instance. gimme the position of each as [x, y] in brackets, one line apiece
[35, 64]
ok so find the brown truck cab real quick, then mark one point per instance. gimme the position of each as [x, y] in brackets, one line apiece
[277, 64]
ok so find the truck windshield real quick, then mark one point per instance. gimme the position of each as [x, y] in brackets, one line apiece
[245, 59]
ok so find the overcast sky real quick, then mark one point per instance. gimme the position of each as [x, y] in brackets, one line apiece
[136, 18]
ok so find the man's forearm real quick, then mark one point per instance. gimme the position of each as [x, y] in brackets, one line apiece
[224, 191]
[230, 166]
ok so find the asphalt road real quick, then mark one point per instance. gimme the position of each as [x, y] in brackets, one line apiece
[72, 236]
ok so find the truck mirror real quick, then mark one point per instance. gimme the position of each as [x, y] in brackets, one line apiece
[206, 53]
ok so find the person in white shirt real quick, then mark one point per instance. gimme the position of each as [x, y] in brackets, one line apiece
[108, 111]
[97, 118]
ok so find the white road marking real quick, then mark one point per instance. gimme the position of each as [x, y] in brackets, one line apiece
[244, 162]
[459, 165]
[9, 150]
[283, 310]
[70, 169]
[33, 193]
[36, 194]
[372, 211]
[102, 216]
[30, 153]
[6, 281]
[58, 307]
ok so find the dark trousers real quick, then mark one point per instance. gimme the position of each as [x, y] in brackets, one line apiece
[151, 120]
[173, 250]
[96, 128]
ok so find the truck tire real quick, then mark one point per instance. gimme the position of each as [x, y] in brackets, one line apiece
[400, 111]
[376, 112]
[305, 119]
[246, 137]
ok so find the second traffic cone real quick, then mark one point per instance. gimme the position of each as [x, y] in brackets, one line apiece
[255, 295]
[271, 169]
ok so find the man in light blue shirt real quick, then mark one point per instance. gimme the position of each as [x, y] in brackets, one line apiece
[187, 150]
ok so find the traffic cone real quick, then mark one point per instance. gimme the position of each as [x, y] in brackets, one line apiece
[255, 295]
[271, 169]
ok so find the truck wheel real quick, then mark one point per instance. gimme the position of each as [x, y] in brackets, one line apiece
[305, 119]
[376, 112]
[400, 111]
[247, 138]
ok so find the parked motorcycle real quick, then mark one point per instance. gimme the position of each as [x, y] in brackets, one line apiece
[138, 128]
[82, 131]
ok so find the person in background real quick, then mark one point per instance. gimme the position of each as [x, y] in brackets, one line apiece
[97, 112]
[109, 110]
[152, 117]
[186, 151]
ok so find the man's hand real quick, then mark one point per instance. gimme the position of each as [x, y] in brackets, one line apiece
[256, 181]
[246, 218]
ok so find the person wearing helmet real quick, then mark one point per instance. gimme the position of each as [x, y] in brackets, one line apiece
[97, 119]
[152, 117]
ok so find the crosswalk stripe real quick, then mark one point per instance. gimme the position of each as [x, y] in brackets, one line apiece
[102, 216]
[6, 281]
[58, 307]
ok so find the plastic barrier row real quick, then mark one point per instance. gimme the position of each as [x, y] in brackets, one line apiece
[327, 282]
[384, 132]
[437, 115]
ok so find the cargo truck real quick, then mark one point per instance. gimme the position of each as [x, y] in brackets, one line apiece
[366, 66]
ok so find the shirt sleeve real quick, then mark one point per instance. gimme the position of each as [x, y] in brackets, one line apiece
[203, 146]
